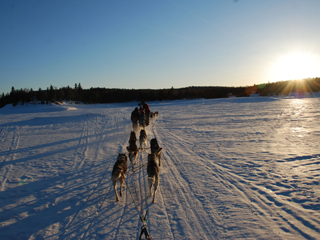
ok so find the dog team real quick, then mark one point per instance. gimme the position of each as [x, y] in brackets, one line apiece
[154, 158]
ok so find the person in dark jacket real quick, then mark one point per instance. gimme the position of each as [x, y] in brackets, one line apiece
[146, 107]
[141, 117]
[147, 112]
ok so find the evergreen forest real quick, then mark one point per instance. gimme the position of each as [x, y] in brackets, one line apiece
[114, 95]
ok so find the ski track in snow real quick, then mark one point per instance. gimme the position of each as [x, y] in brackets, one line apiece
[244, 168]
[14, 143]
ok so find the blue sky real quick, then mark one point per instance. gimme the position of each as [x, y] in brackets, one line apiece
[154, 44]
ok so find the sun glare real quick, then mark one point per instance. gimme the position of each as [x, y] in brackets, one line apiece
[295, 66]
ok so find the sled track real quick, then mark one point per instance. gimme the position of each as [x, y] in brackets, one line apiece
[211, 208]
[175, 196]
[12, 149]
[135, 190]
[99, 193]
[225, 181]
[85, 202]
[95, 211]
[265, 204]
[179, 172]
[99, 206]
[81, 152]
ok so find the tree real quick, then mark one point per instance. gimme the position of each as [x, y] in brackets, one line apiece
[79, 94]
[12, 90]
[40, 95]
[51, 94]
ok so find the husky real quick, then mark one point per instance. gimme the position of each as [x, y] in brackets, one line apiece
[155, 148]
[143, 138]
[133, 138]
[132, 148]
[153, 173]
[133, 154]
[119, 172]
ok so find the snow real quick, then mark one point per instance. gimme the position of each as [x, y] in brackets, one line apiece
[237, 168]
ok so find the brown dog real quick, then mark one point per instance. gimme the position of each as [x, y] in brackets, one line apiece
[155, 149]
[132, 148]
[143, 138]
[133, 138]
[119, 172]
[153, 173]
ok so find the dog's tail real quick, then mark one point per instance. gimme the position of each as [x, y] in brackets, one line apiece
[152, 180]
[116, 175]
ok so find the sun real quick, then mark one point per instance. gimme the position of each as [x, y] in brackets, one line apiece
[295, 65]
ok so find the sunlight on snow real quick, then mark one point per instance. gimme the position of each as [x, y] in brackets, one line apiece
[237, 168]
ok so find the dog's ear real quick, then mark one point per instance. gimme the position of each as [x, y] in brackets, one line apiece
[128, 148]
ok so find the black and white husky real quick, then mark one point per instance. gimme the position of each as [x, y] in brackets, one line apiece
[153, 173]
[143, 138]
[155, 149]
[119, 172]
[132, 148]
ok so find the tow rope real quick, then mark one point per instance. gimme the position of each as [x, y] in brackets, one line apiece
[143, 217]
[144, 228]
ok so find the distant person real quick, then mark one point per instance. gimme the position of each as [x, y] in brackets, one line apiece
[147, 112]
[141, 117]
[135, 115]
[146, 107]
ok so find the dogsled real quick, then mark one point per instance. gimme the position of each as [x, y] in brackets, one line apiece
[153, 167]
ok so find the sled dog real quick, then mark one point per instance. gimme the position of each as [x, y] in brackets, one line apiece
[143, 138]
[119, 172]
[153, 173]
[132, 148]
[155, 148]
[133, 154]
[133, 138]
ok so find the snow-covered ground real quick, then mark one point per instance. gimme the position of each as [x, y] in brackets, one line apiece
[239, 168]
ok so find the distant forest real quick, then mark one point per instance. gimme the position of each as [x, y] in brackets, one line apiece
[113, 95]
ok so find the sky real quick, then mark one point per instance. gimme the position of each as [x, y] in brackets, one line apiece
[149, 44]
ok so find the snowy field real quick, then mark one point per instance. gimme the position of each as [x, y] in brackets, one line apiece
[240, 168]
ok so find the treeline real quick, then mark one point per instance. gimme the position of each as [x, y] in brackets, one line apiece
[310, 85]
[105, 95]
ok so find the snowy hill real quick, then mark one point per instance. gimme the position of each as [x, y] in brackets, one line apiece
[240, 168]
